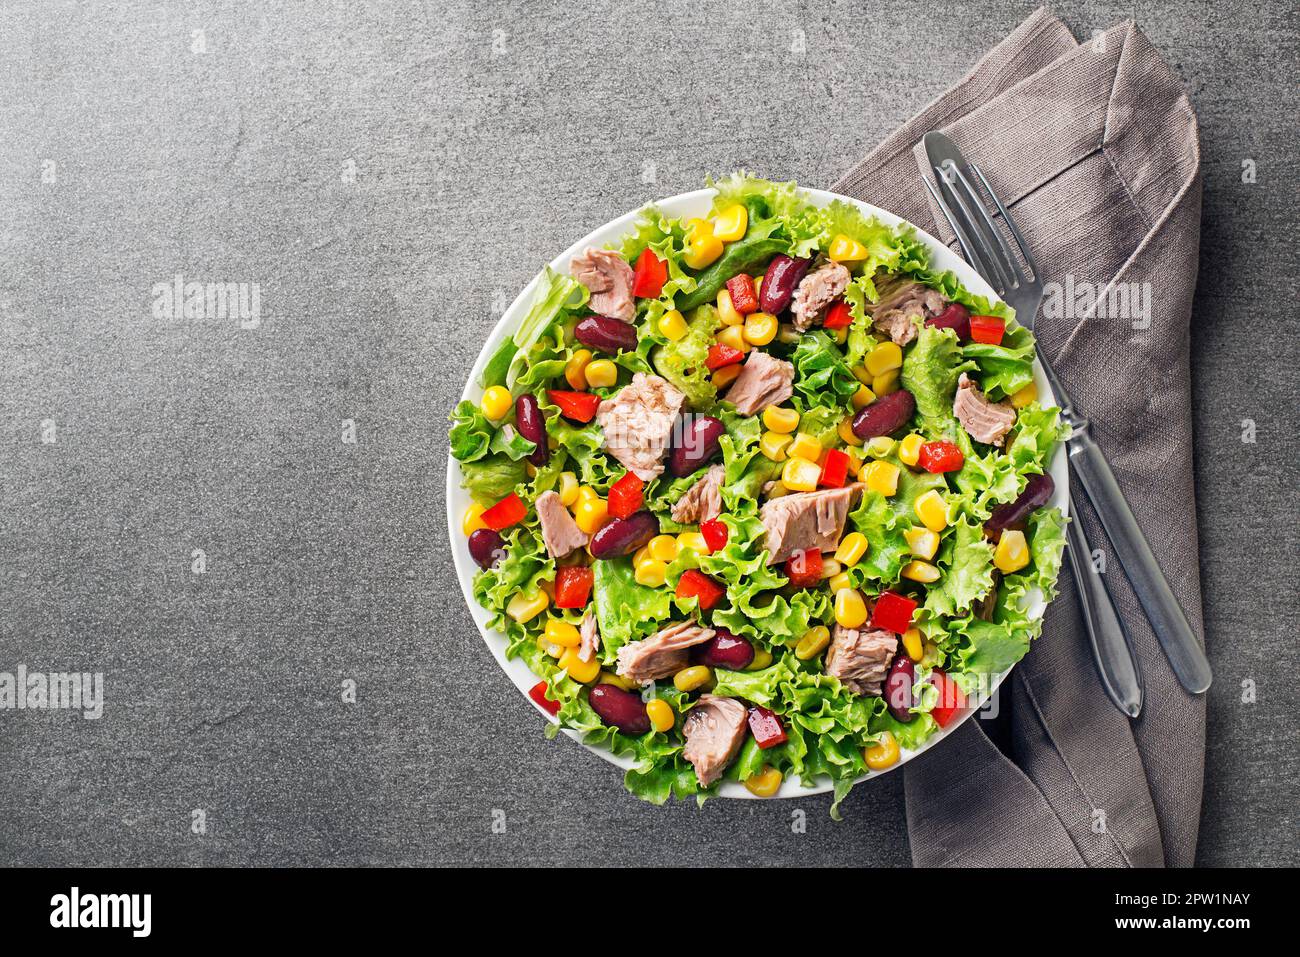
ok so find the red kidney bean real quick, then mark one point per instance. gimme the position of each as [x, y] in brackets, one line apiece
[887, 414]
[619, 709]
[898, 688]
[696, 443]
[486, 547]
[1038, 490]
[532, 426]
[623, 536]
[724, 650]
[955, 317]
[783, 277]
[606, 334]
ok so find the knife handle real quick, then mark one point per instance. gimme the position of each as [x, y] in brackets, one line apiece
[1111, 647]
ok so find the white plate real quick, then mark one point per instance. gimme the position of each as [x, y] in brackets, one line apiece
[686, 205]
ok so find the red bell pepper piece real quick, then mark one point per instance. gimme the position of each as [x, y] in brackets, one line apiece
[987, 329]
[573, 586]
[940, 457]
[744, 298]
[892, 612]
[838, 316]
[649, 275]
[578, 406]
[715, 535]
[835, 470]
[766, 727]
[626, 496]
[696, 584]
[804, 568]
[538, 693]
[505, 513]
[721, 355]
[951, 699]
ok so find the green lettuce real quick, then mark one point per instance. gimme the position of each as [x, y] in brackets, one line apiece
[821, 373]
[966, 560]
[625, 609]
[682, 362]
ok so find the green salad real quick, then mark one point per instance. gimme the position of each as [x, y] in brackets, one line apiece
[760, 495]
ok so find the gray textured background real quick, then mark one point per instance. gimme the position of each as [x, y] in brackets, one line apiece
[329, 561]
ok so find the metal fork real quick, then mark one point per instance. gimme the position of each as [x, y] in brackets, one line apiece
[989, 252]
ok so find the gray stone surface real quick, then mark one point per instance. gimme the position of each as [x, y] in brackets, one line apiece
[328, 561]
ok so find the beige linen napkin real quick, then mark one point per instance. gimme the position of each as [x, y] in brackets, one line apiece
[1094, 147]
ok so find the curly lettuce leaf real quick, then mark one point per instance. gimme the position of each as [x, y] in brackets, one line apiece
[625, 609]
[492, 478]
[821, 374]
[930, 372]
[471, 433]
[1007, 368]
[966, 560]
[682, 362]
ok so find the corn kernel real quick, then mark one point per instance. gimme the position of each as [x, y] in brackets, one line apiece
[883, 358]
[727, 309]
[909, 449]
[850, 609]
[765, 783]
[672, 325]
[524, 607]
[692, 678]
[601, 374]
[587, 493]
[730, 224]
[841, 335]
[880, 446]
[778, 489]
[702, 251]
[473, 519]
[831, 567]
[862, 375]
[692, 542]
[663, 547]
[840, 582]
[774, 445]
[855, 461]
[568, 489]
[863, 397]
[560, 632]
[883, 755]
[762, 658]
[530, 470]
[734, 336]
[882, 477]
[844, 249]
[496, 403]
[725, 376]
[932, 510]
[912, 644]
[845, 431]
[660, 713]
[813, 643]
[778, 418]
[922, 572]
[800, 475]
[1012, 552]
[922, 542]
[550, 648]
[652, 573]
[758, 286]
[852, 547]
[618, 681]
[642, 555]
[583, 672]
[575, 370]
[1022, 397]
[885, 383]
[760, 328]
[805, 446]
[590, 514]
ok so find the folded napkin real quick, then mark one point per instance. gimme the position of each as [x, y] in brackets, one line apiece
[1094, 148]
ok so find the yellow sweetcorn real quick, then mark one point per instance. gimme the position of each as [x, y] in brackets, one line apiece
[760, 328]
[912, 644]
[845, 431]
[730, 224]
[862, 375]
[590, 514]
[852, 547]
[883, 755]
[651, 572]
[575, 370]
[844, 249]
[727, 309]
[831, 567]
[813, 643]
[586, 492]
[1022, 397]
[524, 607]
[496, 403]
[932, 510]
[723, 377]
[883, 358]
[642, 555]
[702, 251]
[758, 286]
[922, 542]
[881, 477]
[923, 572]
[660, 713]
[567, 489]
[560, 632]
[840, 582]
[778, 418]
[601, 373]
[762, 658]
[473, 519]
[778, 489]
[692, 542]
[734, 336]
[801, 475]
[618, 681]
[765, 783]
[880, 446]
[805, 446]
[774, 445]
[1012, 552]
[663, 547]
[692, 678]
[909, 449]
[841, 335]
[850, 608]
[863, 397]
[552, 649]
[583, 672]
[885, 383]
[672, 325]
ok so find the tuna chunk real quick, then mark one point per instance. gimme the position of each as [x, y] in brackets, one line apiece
[590, 634]
[986, 421]
[703, 500]
[637, 423]
[662, 654]
[816, 292]
[900, 305]
[860, 658]
[559, 531]
[609, 280]
[806, 521]
[714, 730]
[763, 381]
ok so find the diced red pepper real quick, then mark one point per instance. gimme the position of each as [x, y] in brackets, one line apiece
[578, 406]
[744, 298]
[696, 584]
[838, 316]
[573, 586]
[835, 470]
[766, 727]
[649, 275]
[940, 457]
[626, 496]
[987, 329]
[893, 612]
[538, 693]
[505, 513]
[721, 355]
[804, 568]
[951, 699]
[715, 535]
